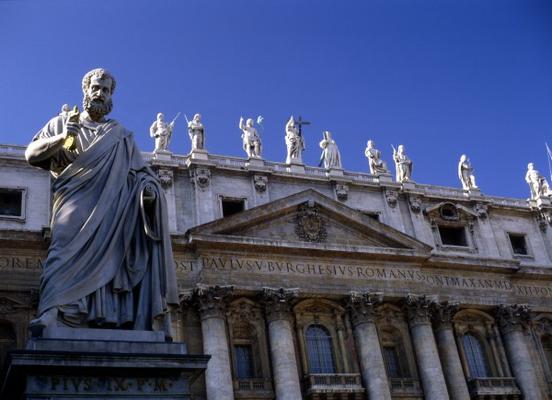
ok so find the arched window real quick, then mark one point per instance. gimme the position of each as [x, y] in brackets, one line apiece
[476, 356]
[7, 340]
[547, 347]
[319, 350]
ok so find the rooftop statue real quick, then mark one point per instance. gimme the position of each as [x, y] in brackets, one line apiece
[330, 157]
[403, 165]
[537, 183]
[196, 131]
[251, 140]
[295, 143]
[376, 164]
[110, 261]
[465, 173]
[162, 132]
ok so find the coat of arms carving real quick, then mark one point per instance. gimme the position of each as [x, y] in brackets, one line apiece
[310, 226]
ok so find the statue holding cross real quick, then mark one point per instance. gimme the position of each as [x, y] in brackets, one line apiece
[294, 140]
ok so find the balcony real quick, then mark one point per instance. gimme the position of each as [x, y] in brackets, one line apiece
[253, 388]
[500, 388]
[334, 387]
[405, 387]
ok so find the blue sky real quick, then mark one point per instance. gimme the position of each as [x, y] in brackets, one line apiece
[441, 77]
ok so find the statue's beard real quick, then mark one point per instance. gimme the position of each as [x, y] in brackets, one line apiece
[97, 109]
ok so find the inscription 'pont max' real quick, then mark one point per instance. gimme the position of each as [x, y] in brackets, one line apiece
[379, 273]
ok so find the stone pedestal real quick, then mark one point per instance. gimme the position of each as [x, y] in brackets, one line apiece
[111, 364]
[296, 168]
[255, 163]
[199, 154]
[162, 155]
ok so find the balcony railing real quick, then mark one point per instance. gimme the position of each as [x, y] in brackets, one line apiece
[480, 387]
[257, 388]
[341, 386]
[405, 387]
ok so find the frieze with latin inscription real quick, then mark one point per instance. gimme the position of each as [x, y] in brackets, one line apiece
[437, 279]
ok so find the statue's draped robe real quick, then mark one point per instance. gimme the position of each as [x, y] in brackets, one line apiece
[110, 259]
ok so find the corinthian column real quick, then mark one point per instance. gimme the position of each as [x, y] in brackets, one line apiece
[512, 321]
[433, 380]
[452, 366]
[280, 333]
[211, 302]
[362, 308]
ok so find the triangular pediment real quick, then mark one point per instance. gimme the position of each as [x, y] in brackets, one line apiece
[308, 220]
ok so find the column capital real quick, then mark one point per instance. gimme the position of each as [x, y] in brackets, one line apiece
[511, 318]
[442, 314]
[211, 301]
[277, 302]
[363, 306]
[418, 309]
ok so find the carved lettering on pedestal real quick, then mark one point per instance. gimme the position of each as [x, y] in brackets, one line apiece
[60, 384]
[20, 263]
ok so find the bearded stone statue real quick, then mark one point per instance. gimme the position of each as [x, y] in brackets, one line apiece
[110, 262]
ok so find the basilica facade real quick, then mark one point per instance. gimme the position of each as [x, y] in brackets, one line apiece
[320, 283]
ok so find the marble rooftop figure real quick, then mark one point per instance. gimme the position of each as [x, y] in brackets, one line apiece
[403, 165]
[161, 131]
[196, 131]
[295, 143]
[110, 262]
[537, 183]
[251, 139]
[465, 173]
[330, 157]
[375, 163]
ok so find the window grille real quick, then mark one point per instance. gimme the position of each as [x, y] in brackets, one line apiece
[319, 350]
[244, 361]
[478, 364]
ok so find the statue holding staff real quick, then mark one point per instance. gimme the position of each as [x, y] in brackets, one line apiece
[403, 164]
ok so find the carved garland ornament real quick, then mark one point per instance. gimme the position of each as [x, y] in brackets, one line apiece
[310, 226]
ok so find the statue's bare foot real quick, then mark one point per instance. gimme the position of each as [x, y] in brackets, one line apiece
[37, 326]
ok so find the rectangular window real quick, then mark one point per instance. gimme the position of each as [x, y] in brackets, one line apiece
[11, 202]
[453, 236]
[244, 361]
[232, 206]
[519, 246]
[391, 360]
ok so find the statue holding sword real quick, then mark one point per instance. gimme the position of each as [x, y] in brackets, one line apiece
[162, 132]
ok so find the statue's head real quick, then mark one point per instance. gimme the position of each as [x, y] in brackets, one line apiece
[249, 122]
[98, 86]
[65, 108]
[291, 121]
[197, 117]
[370, 144]
[463, 158]
[400, 149]
[327, 135]
[530, 166]
[160, 117]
